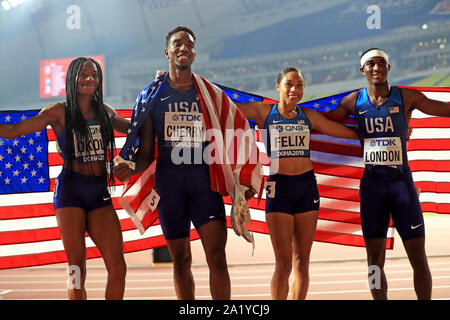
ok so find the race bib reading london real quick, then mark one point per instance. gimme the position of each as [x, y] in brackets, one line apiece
[289, 140]
[93, 149]
[383, 151]
[184, 129]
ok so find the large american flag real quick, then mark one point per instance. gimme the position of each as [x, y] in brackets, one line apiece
[29, 235]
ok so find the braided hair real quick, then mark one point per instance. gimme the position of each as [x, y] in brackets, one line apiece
[75, 122]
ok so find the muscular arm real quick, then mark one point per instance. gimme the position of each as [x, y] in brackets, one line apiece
[329, 127]
[119, 124]
[414, 99]
[144, 155]
[256, 111]
[345, 108]
[146, 151]
[49, 115]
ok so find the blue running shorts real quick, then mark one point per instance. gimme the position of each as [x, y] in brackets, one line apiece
[185, 196]
[292, 194]
[73, 189]
[387, 192]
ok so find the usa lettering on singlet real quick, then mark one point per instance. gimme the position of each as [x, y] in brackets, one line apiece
[91, 150]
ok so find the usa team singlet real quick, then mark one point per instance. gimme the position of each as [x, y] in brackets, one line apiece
[382, 130]
[285, 137]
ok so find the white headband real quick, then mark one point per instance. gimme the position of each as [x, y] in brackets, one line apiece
[374, 53]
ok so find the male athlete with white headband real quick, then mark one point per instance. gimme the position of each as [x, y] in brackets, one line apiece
[382, 114]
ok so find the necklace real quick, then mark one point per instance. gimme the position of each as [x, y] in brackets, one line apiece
[179, 85]
[378, 101]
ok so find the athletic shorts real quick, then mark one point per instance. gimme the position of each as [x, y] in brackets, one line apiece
[73, 189]
[185, 196]
[292, 194]
[387, 192]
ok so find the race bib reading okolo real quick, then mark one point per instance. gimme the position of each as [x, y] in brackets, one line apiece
[93, 150]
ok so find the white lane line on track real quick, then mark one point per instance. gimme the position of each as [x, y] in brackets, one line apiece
[205, 279]
[170, 287]
[197, 275]
[336, 265]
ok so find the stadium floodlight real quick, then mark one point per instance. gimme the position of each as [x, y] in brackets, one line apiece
[6, 5]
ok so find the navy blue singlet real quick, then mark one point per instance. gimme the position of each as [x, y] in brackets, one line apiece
[285, 138]
[91, 151]
[178, 121]
[382, 130]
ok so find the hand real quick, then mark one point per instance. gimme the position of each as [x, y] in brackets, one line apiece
[249, 194]
[122, 171]
[158, 74]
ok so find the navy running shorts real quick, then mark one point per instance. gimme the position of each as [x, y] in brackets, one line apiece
[73, 189]
[185, 196]
[292, 194]
[387, 192]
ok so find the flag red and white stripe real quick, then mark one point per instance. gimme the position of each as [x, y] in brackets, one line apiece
[29, 235]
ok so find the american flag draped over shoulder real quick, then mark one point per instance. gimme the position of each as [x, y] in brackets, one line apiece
[29, 235]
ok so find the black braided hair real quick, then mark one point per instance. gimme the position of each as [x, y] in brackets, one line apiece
[75, 122]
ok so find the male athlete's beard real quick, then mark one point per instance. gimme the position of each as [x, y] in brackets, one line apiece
[181, 67]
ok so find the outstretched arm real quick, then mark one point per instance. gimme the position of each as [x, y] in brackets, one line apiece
[49, 115]
[256, 111]
[415, 99]
[329, 127]
[345, 108]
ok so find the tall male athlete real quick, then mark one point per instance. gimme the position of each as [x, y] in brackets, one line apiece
[382, 114]
[180, 114]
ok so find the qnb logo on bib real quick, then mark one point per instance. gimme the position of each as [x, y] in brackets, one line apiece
[184, 129]
[383, 151]
[289, 140]
[91, 150]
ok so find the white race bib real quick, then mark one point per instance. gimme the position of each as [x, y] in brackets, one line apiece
[383, 151]
[289, 139]
[93, 150]
[184, 128]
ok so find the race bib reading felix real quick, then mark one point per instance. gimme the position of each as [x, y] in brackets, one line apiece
[289, 140]
[383, 151]
[184, 129]
[91, 151]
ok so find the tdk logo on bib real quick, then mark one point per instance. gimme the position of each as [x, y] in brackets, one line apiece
[383, 142]
[186, 117]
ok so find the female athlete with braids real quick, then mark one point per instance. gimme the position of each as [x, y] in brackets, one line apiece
[84, 127]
